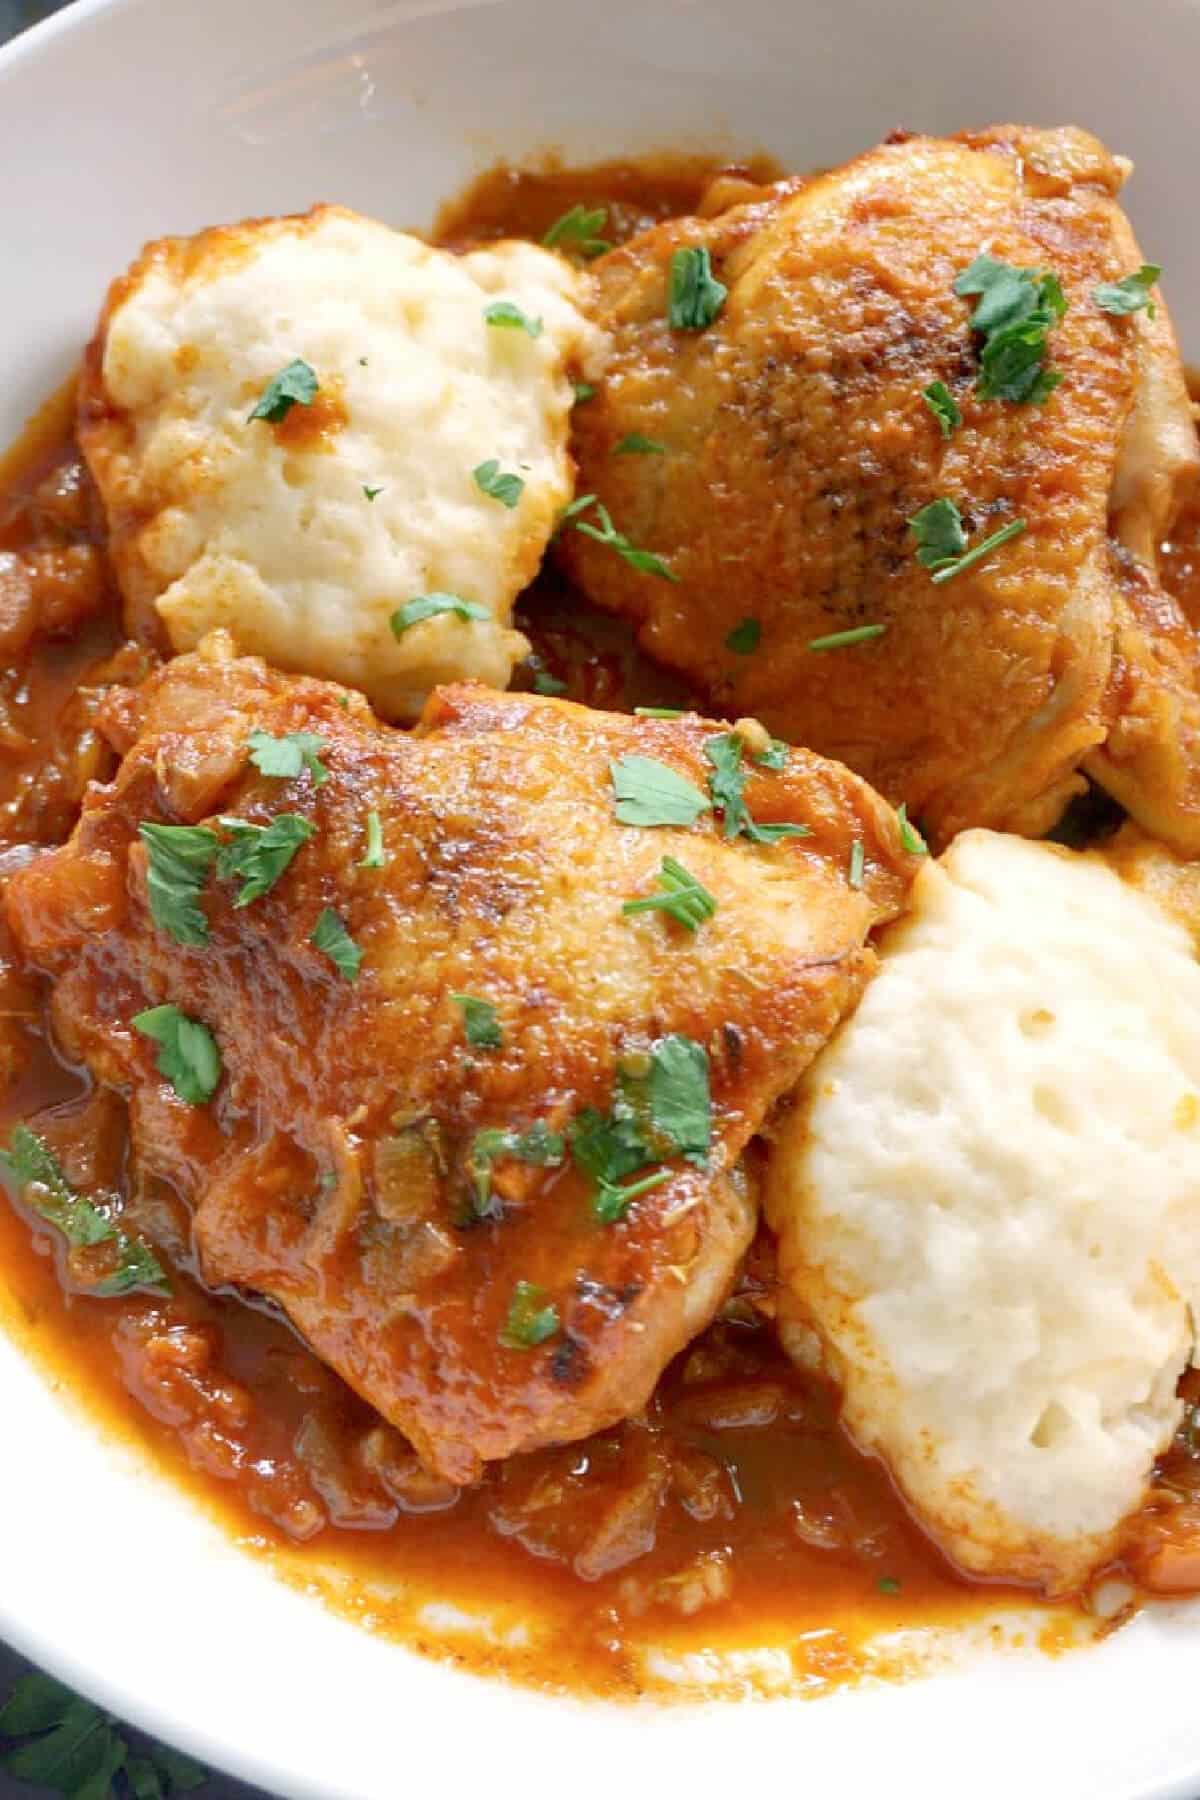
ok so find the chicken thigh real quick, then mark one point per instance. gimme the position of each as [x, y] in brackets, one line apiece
[473, 1125]
[770, 448]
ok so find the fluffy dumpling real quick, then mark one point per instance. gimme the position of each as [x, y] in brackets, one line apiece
[304, 534]
[988, 1204]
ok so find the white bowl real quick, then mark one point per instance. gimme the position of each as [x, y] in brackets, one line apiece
[125, 120]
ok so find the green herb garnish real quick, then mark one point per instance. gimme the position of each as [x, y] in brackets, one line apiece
[644, 561]
[583, 391]
[187, 1056]
[942, 542]
[508, 315]
[943, 406]
[373, 856]
[744, 639]
[910, 838]
[774, 756]
[661, 1111]
[480, 1022]
[726, 786]
[648, 792]
[371, 493]
[179, 858]
[296, 385]
[634, 444]
[578, 228]
[538, 1146]
[430, 606]
[529, 1321]
[658, 712]
[888, 1584]
[74, 1749]
[285, 757]
[497, 483]
[33, 1167]
[545, 683]
[1130, 294]
[842, 640]
[684, 899]
[1016, 310]
[857, 860]
[329, 935]
[694, 295]
[257, 855]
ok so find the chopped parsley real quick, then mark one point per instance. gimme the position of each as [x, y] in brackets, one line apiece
[33, 1168]
[285, 757]
[187, 1056]
[1130, 294]
[659, 1111]
[634, 444]
[497, 483]
[72, 1748]
[430, 606]
[179, 858]
[508, 316]
[530, 1322]
[480, 1022]
[257, 855]
[842, 640]
[648, 792]
[644, 561]
[1016, 311]
[910, 837]
[887, 1584]
[726, 786]
[694, 295]
[583, 391]
[295, 385]
[774, 756]
[373, 856]
[538, 1145]
[684, 899]
[371, 493]
[744, 639]
[329, 935]
[545, 683]
[857, 860]
[578, 228]
[943, 406]
[942, 542]
[658, 712]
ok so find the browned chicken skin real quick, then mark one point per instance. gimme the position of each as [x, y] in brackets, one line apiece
[797, 445]
[333, 1168]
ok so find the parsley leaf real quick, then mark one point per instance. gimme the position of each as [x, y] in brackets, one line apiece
[329, 935]
[188, 1055]
[578, 228]
[941, 540]
[842, 640]
[498, 484]
[179, 858]
[677, 1094]
[429, 606]
[744, 639]
[658, 712]
[634, 444]
[33, 1168]
[583, 391]
[1016, 310]
[76, 1750]
[373, 857]
[545, 683]
[648, 792]
[660, 1111]
[644, 561]
[726, 785]
[371, 493]
[857, 860]
[774, 756]
[1130, 294]
[685, 899]
[694, 295]
[257, 855]
[285, 757]
[529, 1322]
[480, 1022]
[508, 315]
[610, 1204]
[943, 406]
[538, 1145]
[910, 837]
[295, 385]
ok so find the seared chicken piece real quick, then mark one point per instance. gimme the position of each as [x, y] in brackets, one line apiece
[487, 1295]
[796, 444]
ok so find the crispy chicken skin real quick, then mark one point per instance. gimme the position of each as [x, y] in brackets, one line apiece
[330, 1170]
[798, 444]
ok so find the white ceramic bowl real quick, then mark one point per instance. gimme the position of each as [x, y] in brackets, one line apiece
[120, 121]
